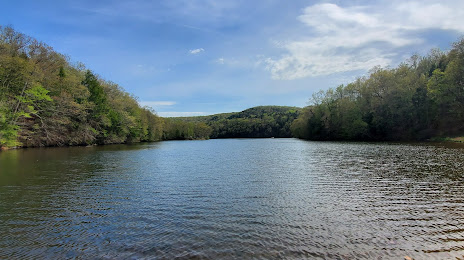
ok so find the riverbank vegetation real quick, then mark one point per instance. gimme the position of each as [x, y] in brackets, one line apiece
[45, 100]
[420, 99]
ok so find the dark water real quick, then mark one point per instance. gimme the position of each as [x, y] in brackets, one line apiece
[226, 199]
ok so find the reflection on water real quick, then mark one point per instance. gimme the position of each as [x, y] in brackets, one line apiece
[237, 198]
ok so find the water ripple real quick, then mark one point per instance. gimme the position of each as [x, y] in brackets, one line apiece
[234, 199]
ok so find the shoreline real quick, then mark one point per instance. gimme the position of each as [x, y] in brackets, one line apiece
[450, 140]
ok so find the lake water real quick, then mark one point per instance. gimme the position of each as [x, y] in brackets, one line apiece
[234, 199]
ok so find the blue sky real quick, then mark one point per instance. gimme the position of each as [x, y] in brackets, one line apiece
[196, 57]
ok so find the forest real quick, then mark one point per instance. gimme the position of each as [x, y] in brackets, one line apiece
[45, 100]
[420, 99]
[255, 122]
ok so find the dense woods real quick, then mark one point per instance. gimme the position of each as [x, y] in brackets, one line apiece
[181, 130]
[47, 101]
[420, 99]
[256, 122]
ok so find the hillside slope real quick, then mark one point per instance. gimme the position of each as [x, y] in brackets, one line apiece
[255, 122]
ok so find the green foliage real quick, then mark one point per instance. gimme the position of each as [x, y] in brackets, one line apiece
[415, 101]
[8, 131]
[256, 122]
[38, 93]
[61, 74]
[46, 101]
[97, 93]
[182, 130]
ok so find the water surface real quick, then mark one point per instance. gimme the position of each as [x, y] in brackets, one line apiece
[233, 198]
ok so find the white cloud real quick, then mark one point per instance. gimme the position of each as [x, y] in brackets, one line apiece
[157, 103]
[182, 114]
[341, 39]
[444, 15]
[196, 51]
[220, 61]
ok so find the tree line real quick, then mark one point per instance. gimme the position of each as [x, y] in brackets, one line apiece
[420, 99]
[255, 122]
[45, 100]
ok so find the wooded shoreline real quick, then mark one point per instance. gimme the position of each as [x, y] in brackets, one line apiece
[45, 100]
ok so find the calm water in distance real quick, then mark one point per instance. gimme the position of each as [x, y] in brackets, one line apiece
[233, 199]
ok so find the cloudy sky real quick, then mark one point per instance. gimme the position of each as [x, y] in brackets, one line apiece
[196, 57]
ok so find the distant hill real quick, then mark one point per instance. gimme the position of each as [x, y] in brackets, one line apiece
[255, 122]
